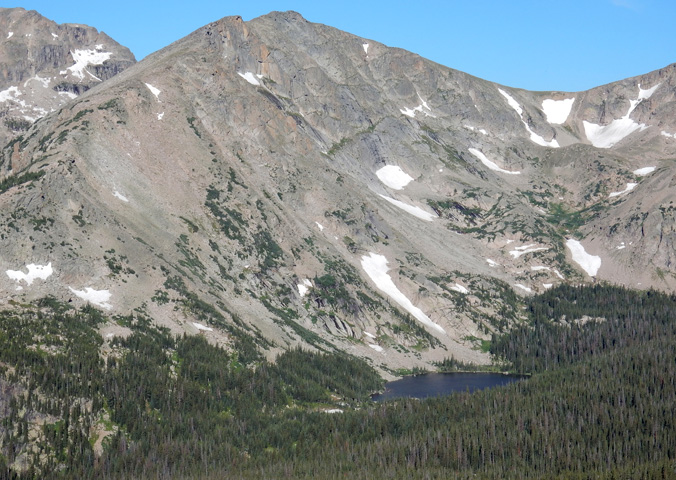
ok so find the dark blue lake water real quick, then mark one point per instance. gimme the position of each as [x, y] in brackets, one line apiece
[435, 384]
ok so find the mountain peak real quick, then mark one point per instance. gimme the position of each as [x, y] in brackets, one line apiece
[285, 180]
[45, 65]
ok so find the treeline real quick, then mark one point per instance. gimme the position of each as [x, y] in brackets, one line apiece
[599, 404]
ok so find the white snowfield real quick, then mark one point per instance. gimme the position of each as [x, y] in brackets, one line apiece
[10, 94]
[117, 194]
[199, 326]
[84, 58]
[249, 77]
[413, 210]
[605, 136]
[375, 267]
[422, 108]
[534, 137]
[34, 272]
[524, 249]
[642, 172]
[377, 348]
[473, 129]
[491, 165]
[459, 288]
[492, 263]
[629, 188]
[155, 91]
[394, 177]
[37, 78]
[304, 287]
[523, 287]
[557, 111]
[97, 297]
[9, 34]
[365, 46]
[320, 226]
[667, 134]
[589, 263]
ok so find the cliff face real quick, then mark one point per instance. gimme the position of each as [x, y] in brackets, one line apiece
[43, 65]
[296, 184]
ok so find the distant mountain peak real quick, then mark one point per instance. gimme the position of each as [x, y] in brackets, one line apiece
[45, 65]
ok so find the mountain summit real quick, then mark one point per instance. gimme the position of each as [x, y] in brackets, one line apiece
[279, 183]
[43, 65]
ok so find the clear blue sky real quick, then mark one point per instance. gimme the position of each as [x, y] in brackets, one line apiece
[567, 45]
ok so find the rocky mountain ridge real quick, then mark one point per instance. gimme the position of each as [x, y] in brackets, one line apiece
[288, 183]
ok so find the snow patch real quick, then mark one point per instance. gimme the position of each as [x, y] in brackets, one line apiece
[97, 297]
[641, 172]
[667, 134]
[117, 194]
[422, 108]
[10, 94]
[557, 111]
[589, 263]
[538, 268]
[605, 136]
[84, 58]
[304, 287]
[365, 46]
[629, 188]
[333, 410]
[160, 115]
[44, 81]
[320, 226]
[523, 287]
[524, 249]
[34, 272]
[534, 137]
[394, 177]
[375, 267]
[70, 95]
[155, 91]
[413, 210]
[369, 335]
[492, 263]
[249, 77]
[547, 285]
[9, 34]
[493, 166]
[480, 130]
[459, 288]
[377, 348]
[199, 326]
[621, 246]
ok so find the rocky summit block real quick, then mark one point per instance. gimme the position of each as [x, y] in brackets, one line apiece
[43, 65]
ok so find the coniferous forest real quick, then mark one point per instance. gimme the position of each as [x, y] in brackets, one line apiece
[600, 401]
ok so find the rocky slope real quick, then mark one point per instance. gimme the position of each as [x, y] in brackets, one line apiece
[43, 65]
[286, 182]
